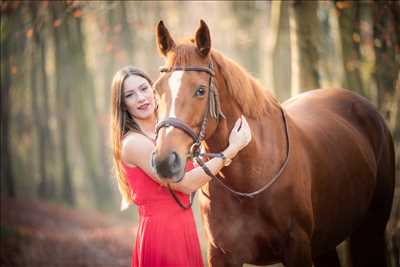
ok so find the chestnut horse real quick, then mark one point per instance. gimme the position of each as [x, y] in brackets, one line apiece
[318, 170]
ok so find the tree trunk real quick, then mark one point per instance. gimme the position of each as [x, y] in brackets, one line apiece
[105, 108]
[249, 50]
[349, 28]
[387, 59]
[279, 49]
[47, 188]
[127, 37]
[304, 35]
[85, 115]
[386, 33]
[334, 53]
[40, 98]
[36, 111]
[7, 51]
[63, 87]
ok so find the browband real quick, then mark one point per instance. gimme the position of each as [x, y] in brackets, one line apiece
[188, 68]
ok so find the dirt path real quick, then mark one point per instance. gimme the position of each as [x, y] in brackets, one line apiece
[41, 234]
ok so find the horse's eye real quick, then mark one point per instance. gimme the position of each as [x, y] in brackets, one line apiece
[200, 91]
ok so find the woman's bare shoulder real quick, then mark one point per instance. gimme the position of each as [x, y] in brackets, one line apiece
[134, 146]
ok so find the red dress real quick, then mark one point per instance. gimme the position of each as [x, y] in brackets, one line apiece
[167, 234]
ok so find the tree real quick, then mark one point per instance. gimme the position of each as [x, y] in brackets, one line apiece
[62, 99]
[7, 51]
[40, 98]
[387, 61]
[348, 14]
[249, 49]
[84, 110]
[386, 32]
[304, 36]
[279, 49]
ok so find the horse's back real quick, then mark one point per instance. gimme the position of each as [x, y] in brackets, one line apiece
[347, 145]
[339, 109]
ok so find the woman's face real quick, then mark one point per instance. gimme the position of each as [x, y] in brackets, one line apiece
[139, 97]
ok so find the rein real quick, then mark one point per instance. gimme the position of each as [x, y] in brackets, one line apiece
[215, 111]
[267, 185]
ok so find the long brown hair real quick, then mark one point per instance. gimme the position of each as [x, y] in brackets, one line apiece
[121, 123]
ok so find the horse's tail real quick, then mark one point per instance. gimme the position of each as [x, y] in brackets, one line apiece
[367, 243]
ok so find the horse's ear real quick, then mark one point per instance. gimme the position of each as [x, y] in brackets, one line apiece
[203, 39]
[164, 39]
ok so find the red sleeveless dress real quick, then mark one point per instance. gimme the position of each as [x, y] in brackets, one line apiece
[167, 234]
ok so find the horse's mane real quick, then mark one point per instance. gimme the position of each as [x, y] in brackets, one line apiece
[252, 98]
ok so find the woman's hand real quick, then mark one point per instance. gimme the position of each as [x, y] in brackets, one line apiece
[239, 137]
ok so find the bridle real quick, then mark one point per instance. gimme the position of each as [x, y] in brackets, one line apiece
[215, 111]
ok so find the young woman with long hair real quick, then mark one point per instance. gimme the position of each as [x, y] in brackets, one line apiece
[167, 233]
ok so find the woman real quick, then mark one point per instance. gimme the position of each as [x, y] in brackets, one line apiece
[167, 233]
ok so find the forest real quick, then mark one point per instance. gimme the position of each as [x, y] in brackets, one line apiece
[57, 62]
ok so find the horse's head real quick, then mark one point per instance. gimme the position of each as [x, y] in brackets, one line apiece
[188, 108]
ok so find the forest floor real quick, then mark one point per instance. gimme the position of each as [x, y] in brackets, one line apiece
[35, 233]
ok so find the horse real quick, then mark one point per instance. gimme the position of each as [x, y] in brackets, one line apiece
[318, 170]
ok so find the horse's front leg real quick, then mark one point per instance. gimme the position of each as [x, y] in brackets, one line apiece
[297, 252]
[217, 258]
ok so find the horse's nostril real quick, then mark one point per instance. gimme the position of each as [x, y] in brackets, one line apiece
[173, 159]
[153, 161]
[169, 167]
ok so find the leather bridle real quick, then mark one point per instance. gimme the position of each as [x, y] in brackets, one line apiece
[213, 108]
[215, 111]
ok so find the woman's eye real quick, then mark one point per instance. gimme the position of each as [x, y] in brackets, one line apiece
[200, 91]
[129, 95]
[144, 88]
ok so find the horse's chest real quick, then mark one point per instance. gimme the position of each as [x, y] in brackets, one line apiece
[234, 231]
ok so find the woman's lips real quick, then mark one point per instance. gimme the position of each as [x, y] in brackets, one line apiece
[144, 106]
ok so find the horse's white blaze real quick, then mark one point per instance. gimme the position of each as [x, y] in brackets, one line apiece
[175, 83]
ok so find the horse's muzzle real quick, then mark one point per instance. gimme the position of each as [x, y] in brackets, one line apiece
[168, 168]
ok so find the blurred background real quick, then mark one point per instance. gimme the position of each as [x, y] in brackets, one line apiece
[59, 198]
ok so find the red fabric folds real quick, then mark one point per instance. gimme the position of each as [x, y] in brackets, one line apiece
[167, 234]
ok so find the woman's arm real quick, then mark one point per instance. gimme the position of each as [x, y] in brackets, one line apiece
[137, 150]
[239, 137]
[196, 178]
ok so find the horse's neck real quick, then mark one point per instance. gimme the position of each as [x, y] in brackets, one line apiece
[262, 158]
[266, 152]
